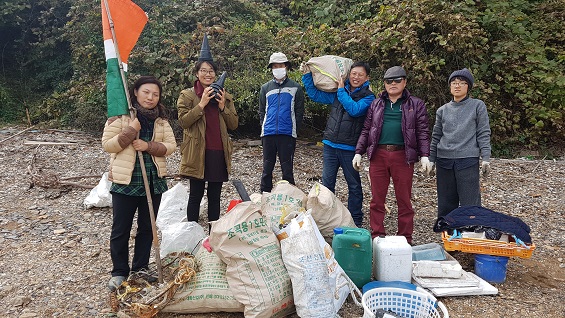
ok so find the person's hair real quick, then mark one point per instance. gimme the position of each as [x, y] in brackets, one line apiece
[199, 65]
[363, 65]
[148, 79]
[460, 78]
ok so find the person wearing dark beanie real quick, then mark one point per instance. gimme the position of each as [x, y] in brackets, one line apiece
[464, 75]
[460, 139]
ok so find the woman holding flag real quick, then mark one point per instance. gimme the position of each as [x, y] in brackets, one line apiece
[206, 114]
[156, 141]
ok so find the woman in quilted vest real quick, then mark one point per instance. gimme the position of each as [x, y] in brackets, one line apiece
[150, 133]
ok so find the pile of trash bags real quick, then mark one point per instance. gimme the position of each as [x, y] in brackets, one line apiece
[268, 257]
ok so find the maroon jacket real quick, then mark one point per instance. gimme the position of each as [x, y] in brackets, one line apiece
[415, 127]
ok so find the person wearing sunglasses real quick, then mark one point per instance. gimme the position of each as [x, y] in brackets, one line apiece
[460, 137]
[395, 134]
[347, 114]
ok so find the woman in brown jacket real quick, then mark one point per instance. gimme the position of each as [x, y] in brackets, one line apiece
[206, 148]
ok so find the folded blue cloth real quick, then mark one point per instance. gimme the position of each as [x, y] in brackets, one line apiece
[474, 216]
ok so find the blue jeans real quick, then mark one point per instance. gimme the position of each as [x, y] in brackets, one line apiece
[333, 159]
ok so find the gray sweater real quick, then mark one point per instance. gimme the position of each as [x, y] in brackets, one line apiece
[461, 130]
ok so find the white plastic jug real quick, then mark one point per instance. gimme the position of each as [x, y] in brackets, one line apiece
[392, 259]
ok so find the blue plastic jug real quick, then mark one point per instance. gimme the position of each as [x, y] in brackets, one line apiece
[354, 253]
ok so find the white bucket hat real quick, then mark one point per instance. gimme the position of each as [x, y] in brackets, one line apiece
[278, 57]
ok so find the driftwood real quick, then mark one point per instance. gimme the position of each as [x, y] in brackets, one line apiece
[523, 160]
[45, 179]
[538, 164]
[47, 143]
[80, 177]
[27, 115]
[66, 131]
[14, 135]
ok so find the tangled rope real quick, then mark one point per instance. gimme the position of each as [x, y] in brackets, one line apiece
[186, 270]
[146, 305]
[128, 290]
[144, 311]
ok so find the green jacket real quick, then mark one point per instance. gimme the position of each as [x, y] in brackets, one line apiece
[193, 120]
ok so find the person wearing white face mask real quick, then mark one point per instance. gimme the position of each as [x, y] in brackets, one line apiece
[281, 110]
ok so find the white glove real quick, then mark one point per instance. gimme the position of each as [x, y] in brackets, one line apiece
[304, 68]
[357, 162]
[485, 168]
[426, 166]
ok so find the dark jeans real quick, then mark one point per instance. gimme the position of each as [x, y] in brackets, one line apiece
[284, 145]
[195, 197]
[457, 188]
[333, 159]
[124, 207]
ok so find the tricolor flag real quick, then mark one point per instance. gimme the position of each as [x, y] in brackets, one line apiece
[128, 20]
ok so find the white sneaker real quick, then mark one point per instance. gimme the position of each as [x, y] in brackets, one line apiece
[115, 282]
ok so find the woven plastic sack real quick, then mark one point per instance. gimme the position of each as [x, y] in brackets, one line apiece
[208, 291]
[256, 198]
[327, 210]
[255, 271]
[327, 69]
[285, 198]
[306, 264]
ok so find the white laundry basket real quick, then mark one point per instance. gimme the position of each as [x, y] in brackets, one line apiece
[403, 302]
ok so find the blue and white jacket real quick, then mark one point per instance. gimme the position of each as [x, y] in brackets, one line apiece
[281, 108]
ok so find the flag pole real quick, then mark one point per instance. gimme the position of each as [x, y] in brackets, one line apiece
[139, 153]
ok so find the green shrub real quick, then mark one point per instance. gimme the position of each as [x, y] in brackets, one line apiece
[10, 109]
[515, 49]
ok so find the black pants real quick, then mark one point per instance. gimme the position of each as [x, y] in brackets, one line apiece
[284, 145]
[124, 207]
[457, 188]
[195, 197]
